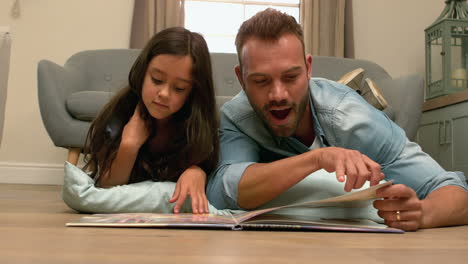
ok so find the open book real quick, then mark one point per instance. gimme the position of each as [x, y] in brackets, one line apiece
[257, 219]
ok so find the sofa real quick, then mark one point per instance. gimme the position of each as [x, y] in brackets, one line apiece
[70, 96]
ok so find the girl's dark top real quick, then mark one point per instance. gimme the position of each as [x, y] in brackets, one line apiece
[154, 165]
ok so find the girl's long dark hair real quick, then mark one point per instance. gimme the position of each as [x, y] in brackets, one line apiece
[196, 139]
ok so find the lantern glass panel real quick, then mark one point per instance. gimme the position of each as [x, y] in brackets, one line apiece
[458, 67]
[436, 65]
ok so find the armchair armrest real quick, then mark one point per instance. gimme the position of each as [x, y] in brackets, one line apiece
[55, 83]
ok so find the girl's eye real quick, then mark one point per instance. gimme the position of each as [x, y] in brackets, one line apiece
[179, 89]
[156, 81]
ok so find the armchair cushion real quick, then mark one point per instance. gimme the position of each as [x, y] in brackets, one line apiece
[86, 105]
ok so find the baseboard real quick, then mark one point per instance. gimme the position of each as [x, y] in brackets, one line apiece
[31, 173]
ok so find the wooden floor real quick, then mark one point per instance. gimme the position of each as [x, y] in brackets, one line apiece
[32, 230]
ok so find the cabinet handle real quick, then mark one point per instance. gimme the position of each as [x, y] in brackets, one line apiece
[448, 135]
[441, 132]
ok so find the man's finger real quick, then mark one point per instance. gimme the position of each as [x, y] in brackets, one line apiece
[363, 175]
[393, 205]
[340, 171]
[404, 225]
[401, 216]
[351, 175]
[395, 191]
[376, 179]
[375, 169]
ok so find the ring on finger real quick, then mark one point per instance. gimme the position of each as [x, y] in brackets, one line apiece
[398, 215]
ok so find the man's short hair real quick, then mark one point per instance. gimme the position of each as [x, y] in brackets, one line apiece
[269, 24]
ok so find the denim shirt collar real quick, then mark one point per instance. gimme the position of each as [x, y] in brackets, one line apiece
[317, 127]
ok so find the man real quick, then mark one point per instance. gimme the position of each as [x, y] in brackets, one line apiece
[284, 125]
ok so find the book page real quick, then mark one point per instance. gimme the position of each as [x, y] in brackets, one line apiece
[302, 220]
[274, 221]
[346, 200]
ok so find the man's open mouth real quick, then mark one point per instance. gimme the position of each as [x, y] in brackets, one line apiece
[280, 114]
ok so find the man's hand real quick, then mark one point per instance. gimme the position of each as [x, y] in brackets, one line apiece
[357, 167]
[400, 207]
[192, 183]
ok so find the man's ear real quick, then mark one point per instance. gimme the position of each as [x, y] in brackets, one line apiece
[308, 60]
[238, 71]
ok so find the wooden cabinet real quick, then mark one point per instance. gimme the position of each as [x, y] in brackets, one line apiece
[443, 134]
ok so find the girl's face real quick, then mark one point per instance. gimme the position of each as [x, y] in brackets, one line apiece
[167, 85]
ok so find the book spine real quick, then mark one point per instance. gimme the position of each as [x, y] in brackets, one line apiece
[237, 227]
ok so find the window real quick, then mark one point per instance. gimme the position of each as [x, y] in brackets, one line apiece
[218, 20]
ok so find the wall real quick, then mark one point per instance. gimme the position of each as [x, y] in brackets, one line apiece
[391, 33]
[53, 30]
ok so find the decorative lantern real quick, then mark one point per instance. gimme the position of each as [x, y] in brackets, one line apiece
[447, 51]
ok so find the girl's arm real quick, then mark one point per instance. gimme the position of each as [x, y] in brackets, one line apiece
[134, 135]
[121, 167]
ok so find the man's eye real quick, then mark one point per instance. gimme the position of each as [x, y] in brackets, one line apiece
[291, 78]
[259, 81]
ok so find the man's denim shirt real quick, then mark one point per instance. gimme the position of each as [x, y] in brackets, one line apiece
[342, 118]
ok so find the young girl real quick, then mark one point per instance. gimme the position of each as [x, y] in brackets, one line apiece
[163, 126]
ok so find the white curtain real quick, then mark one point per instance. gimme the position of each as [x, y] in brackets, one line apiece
[151, 16]
[323, 22]
[5, 43]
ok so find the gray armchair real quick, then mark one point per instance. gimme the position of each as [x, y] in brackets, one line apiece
[70, 96]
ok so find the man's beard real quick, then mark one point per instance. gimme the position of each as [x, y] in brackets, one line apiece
[290, 128]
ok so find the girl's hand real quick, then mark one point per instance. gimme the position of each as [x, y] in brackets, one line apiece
[135, 132]
[192, 183]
